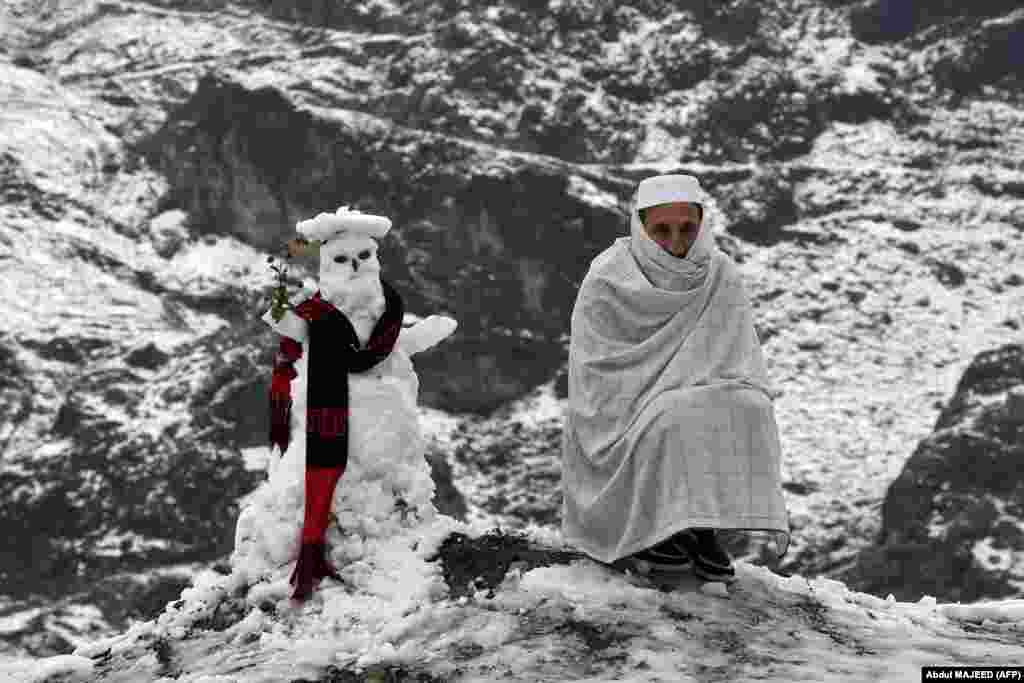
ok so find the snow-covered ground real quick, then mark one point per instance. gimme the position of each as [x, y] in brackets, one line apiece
[396, 607]
[580, 621]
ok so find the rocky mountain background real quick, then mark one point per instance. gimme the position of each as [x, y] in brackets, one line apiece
[865, 155]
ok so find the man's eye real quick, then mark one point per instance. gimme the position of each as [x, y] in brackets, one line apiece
[364, 255]
[340, 259]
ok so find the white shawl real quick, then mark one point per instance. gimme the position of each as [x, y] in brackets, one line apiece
[670, 422]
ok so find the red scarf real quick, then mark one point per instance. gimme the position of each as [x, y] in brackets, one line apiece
[333, 353]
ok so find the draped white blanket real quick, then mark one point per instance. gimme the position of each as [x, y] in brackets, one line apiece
[670, 422]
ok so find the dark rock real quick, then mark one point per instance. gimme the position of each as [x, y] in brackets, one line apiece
[800, 488]
[993, 54]
[16, 395]
[59, 349]
[481, 563]
[165, 656]
[148, 357]
[991, 374]
[884, 20]
[72, 350]
[231, 405]
[492, 372]
[117, 396]
[732, 22]
[226, 614]
[475, 199]
[881, 21]
[906, 225]
[447, 498]
[963, 484]
[760, 207]
[644, 72]
[762, 113]
[71, 417]
[562, 384]
[998, 188]
[233, 398]
[947, 273]
[381, 673]
[765, 332]
[865, 105]
[574, 130]
[495, 66]
[346, 15]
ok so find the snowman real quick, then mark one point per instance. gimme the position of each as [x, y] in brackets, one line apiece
[343, 403]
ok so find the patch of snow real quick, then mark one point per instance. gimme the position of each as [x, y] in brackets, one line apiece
[587, 193]
[256, 458]
[54, 448]
[990, 558]
[223, 260]
[110, 544]
[996, 611]
[18, 621]
[69, 669]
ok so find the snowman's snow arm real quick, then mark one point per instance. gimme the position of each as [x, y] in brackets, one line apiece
[426, 334]
[290, 325]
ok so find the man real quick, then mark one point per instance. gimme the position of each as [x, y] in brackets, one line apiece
[670, 431]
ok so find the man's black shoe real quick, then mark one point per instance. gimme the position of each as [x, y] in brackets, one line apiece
[665, 556]
[710, 560]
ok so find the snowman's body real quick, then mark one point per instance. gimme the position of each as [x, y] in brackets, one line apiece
[382, 484]
[383, 418]
[387, 481]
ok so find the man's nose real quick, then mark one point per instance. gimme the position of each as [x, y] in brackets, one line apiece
[355, 265]
[679, 242]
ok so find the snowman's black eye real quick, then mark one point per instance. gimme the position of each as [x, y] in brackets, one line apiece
[364, 254]
[340, 259]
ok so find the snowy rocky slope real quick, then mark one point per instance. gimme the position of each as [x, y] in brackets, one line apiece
[866, 155]
[425, 598]
[551, 618]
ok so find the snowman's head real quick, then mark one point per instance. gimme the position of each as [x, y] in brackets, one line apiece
[347, 263]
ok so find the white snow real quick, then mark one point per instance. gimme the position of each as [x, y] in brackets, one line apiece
[257, 458]
[585, 191]
[109, 545]
[398, 614]
[18, 621]
[219, 261]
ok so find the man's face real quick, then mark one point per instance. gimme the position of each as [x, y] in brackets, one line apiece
[673, 226]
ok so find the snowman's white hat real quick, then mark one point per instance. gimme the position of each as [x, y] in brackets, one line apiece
[668, 189]
[344, 222]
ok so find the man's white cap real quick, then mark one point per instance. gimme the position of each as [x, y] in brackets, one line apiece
[667, 189]
[344, 222]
